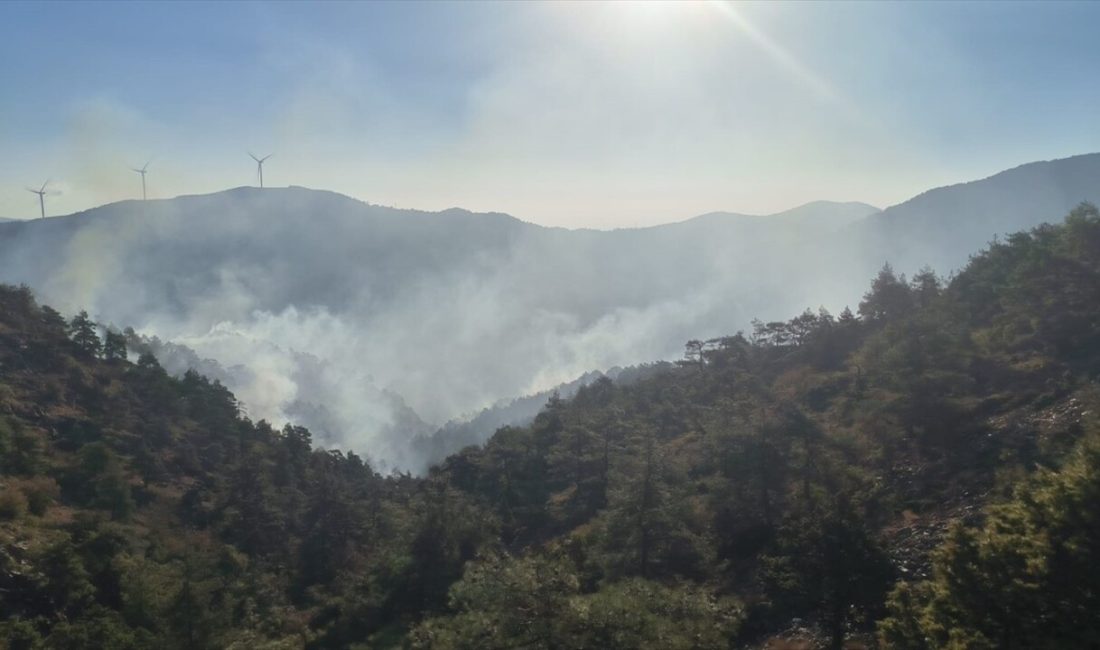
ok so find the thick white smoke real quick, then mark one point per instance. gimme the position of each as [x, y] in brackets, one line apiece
[373, 325]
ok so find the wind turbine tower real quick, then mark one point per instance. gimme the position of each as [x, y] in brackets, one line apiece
[260, 166]
[142, 172]
[41, 192]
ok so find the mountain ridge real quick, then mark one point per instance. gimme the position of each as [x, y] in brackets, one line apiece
[246, 191]
[889, 212]
[824, 482]
[1005, 173]
[315, 291]
[975, 212]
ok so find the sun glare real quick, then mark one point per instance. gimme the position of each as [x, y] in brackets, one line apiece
[687, 22]
[775, 50]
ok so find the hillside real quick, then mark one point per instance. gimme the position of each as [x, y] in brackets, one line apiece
[942, 226]
[517, 412]
[338, 312]
[310, 292]
[778, 485]
[820, 213]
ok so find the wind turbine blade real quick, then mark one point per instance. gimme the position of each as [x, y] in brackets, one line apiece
[251, 155]
[32, 190]
[267, 156]
[45, 184]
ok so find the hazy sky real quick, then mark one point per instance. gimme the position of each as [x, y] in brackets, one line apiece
[598, 115]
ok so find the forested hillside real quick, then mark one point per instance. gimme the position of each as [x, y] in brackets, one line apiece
[298, 293]
[922, 472]
[301, 293]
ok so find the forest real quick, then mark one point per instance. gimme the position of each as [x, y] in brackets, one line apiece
[920, 472]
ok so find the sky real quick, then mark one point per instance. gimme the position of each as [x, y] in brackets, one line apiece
[594, 115]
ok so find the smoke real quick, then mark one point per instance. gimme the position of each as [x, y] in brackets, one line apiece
[374, 326]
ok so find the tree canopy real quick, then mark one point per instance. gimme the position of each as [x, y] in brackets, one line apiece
[925, 474]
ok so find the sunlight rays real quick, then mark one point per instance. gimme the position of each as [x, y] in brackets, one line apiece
[780, 55]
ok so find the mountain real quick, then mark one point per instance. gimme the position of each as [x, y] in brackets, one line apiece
[830, 472]
[922, 475]
[332, 302]
[389, 322]
[819, 213]
[941, 227]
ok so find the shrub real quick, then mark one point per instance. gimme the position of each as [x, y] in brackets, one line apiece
[13, 504]
[41, 492]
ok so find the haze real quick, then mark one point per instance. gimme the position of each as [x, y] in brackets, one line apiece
[565, 114]
[580, 142]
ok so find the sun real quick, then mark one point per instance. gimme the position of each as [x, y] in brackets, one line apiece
[656, 12]
[640, 23]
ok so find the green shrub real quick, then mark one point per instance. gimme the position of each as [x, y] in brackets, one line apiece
[41, 492]
[13, 504]
[20, 634]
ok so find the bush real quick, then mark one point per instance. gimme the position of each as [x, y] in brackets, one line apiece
[20, 449]
[41, 492]
[13, 504]
[19, 634]
[1025, 579]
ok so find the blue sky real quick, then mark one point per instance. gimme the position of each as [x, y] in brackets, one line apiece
[580, 115]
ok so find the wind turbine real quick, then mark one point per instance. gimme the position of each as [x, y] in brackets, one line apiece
[142, 172]
[41, 192]
[260, 166]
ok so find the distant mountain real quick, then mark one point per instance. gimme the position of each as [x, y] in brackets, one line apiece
[822, 213]
[383, 323]
[943, 226]
[177, 250]
[331, 302]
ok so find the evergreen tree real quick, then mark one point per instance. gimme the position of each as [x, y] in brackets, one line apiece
[1025, 579]
[889, 298]
[67, 584]
[252, 521]
[82, 330]
[114, 346]
[53, 320]
[828, 562]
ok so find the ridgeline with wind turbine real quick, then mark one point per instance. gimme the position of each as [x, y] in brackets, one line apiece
[260, 166]
[41, 192]
[142, 171]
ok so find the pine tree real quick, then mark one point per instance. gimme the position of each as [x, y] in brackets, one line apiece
[114, 346]
[889, 297]
[82, 330]
[1026, 579]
